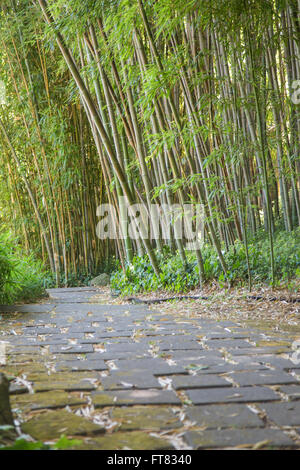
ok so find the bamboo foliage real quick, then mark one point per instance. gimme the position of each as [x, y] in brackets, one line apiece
[160, 102]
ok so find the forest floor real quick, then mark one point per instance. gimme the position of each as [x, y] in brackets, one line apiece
[192, 374]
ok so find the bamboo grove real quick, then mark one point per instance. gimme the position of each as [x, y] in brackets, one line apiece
[158, 101]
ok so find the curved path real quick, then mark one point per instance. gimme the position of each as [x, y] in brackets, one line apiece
[126, 377]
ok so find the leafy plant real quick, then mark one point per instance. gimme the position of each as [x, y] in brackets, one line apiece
[139, 275]
[21, 275]
[24, 444]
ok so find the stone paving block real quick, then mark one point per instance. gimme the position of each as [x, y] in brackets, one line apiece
[29, 308]
[232, 395]
[135, 397]
[53, 424]
[154, 418]
[227, 344]
[46, 331]
[245, 361]
[157, 366]
[227, 367]
[16, 350]
[16, 389]
[198, 381]
[24, 359]
[277, 362]
[196, 355]
[84, 328]
[73, 386]
[258, 351]
[46, 400]
[112, 334]
[269, 439]
[226, 335]
[225, 324]
[78, 348]
[283, 414]
[292, 391]
[129, 380]
[126, 347]
[97, 339]
[14, 341]
[200, 363]
[263, 378]
[81, 365]
[135, 440]
[118, 355]
[223, 416]
[184, 346]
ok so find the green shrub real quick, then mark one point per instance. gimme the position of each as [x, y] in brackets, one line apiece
[21, 276]
[139, 275]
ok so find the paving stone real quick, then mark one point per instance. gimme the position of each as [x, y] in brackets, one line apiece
[83, 386]
[84, 328]
[135, 440]
[129, 380]
[223, 416]
[24, 358]
[135, 397]
[14, 341]
[29, 308]
[269, 438]
[153, 418]
[226, 335]
[232, 395]
[227, 344]
[263, 378]
[196, 355]
[81, 365]
[292, 391]
[46, 331]
[200, 363]
[112, 334]
[16, 389]
[227, 367]
[184, 346]
[115, 355]
[283, 414]
[24, 350]
[157, 366]
[126, 347]
[277, 362]
[198, 381]
[246, 361]
[78, 348]
[53, 424]
[225, 324]
[45, 400]
[258, 351]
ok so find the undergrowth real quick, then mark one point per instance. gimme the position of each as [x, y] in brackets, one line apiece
[140, 277]
[22, 277]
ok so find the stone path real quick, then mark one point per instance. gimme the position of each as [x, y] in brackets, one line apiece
[126, 377]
